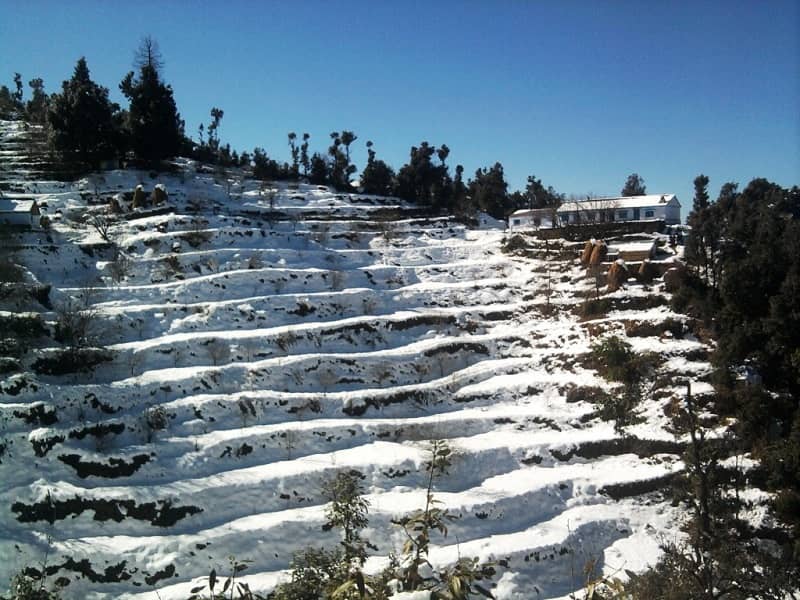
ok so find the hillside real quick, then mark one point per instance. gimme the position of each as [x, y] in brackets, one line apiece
[263, 339]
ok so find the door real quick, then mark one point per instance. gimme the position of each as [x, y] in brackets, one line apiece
[636, 214]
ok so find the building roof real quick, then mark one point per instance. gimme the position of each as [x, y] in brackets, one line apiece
[16, 206]
[532, 212]
[622, 202]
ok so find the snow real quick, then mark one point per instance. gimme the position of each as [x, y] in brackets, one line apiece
[353, 348]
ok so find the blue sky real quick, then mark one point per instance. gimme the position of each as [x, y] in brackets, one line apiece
[581, 94]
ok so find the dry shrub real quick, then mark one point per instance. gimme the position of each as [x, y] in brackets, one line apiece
[651, 329]
[590, 394]
[617, 275]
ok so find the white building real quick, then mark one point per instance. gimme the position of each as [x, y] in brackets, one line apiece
[533, 218]
[19, 212]
[653, 207]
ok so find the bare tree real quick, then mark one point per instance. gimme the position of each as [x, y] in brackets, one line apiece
[102, 225]
[120, 266]
[218, 350]
[369, 304]
[135, 361]
[169, 267]
[155, 419]
[327, 378]
[285, 340]
[148, 54]
[337, 280]
[77, 324]
[255, 261]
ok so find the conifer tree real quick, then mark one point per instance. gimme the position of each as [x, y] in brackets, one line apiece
[304, 158]
[81, 118]
[377, 177]
[155, 126]
[36, 107]
[634, 186]
[295, 172]
[489, 191]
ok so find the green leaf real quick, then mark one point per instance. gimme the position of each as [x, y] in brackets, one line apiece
[196, 589]
[212, 579]
[484, 591]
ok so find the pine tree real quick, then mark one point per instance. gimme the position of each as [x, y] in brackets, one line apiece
[304, 158]
[489, 191]
[295, 155]
[699, 242]
[318, 172]
[377, 177]
[156, 129]
[36, 107]
[422, 181]
[634, 186]
[81, 118]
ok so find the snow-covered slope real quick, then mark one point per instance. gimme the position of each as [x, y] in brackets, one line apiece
[287, 339]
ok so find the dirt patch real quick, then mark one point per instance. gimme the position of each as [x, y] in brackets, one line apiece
[160, 514]
[42, 446]
[618, 491]
[422, 320]
[628, 445]
[99, 430]
[458, 347]
[111, 574]
[114, 468]
[397, 398]
[37, 415]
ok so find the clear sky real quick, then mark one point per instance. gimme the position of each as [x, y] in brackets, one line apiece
[579, 93]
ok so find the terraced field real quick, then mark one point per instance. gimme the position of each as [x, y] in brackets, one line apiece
[259, 346]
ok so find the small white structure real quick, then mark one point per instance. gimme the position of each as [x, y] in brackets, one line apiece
[533, 218]
[23, 213]
[653, 207]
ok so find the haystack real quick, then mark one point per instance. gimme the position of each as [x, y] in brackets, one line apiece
[674, 277]
[587, 252]
[159, 194]
[139, 199]
[598, 253]
[647, 272]
[617, 275]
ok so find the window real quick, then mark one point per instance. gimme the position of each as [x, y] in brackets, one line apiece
[515, 221]
[622, 214]
[649, 214]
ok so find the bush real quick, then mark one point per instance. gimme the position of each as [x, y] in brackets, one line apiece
[24, 587]
[21, 326]
[72, 360]
[594, 308]
[612, 357]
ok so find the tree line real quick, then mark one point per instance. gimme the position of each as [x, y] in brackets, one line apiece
[83, 125]
[742, 283]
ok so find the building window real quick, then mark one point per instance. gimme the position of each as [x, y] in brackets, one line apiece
[649, 214]
[515, 222]
[622, 214]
